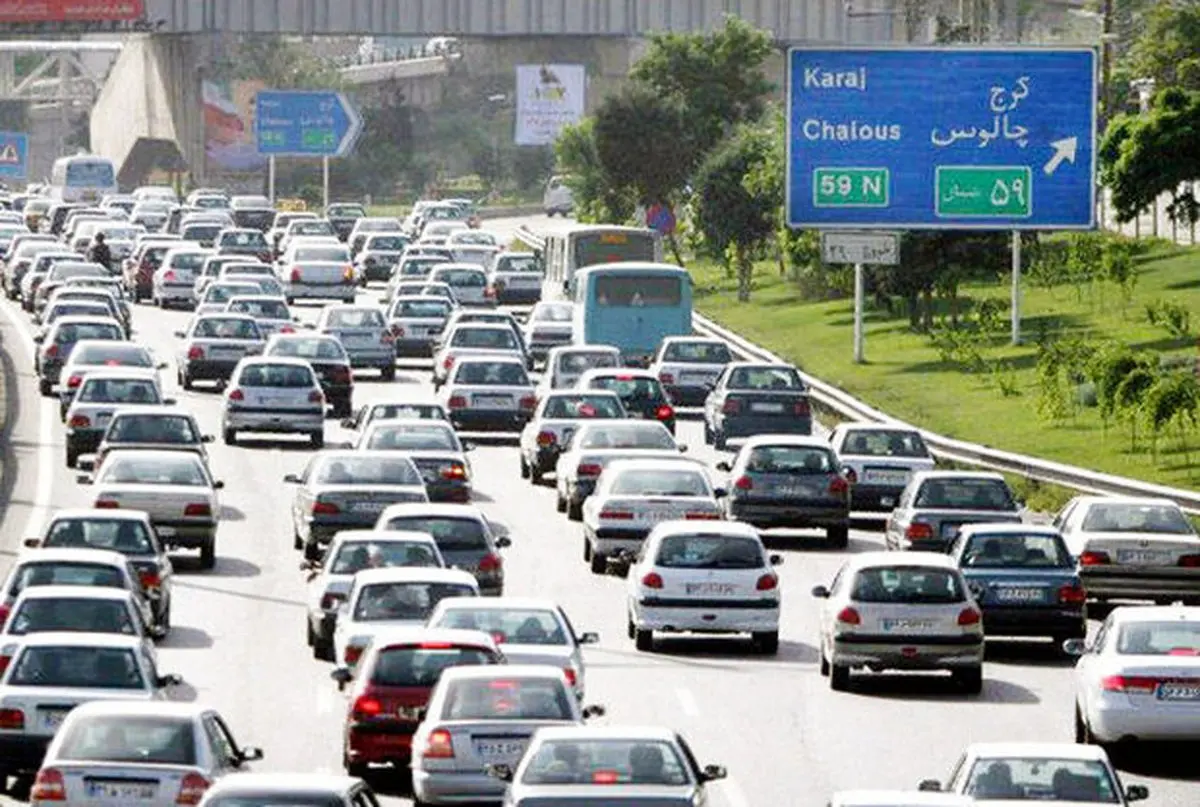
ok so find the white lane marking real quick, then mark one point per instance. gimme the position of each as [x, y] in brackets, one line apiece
[687, 702]
[43, 487]
[734, 797]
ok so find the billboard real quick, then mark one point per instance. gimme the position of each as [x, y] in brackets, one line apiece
[25, 11]
[229, 144]
[549, 97]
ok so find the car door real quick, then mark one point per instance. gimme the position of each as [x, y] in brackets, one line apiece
[713, 402]
[302, 500]
[225, 756]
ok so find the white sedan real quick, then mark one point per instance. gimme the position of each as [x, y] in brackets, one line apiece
[1139, 679]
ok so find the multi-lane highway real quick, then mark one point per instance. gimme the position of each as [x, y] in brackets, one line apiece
[785, 737]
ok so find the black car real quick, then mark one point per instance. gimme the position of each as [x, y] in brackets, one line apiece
[343, 217]
[640, 391]
[329, 361]
[253, 212]
[750, 398]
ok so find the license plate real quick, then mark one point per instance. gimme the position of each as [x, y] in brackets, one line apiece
[166, 532]
[773, 408]
[709, 588]
[1178, 692]
[657, 515]
[917, 625]
[413, 331]
[495, 401]
[52, 718]
[696, 378]
[367, 507]
[357, 339]
[1143, 557]
[499, 749]
[795, 489]
[876, 477]
[525, 282]
[1019, 594]
[950, 530]
[113, 790]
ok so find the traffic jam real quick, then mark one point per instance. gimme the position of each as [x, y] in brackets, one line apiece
[580, 359]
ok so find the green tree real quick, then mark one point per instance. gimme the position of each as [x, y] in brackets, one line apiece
[734, 220]
[1167, 48]
[384, 151]
[597, 198]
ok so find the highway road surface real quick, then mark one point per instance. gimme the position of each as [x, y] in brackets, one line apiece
[238, 636]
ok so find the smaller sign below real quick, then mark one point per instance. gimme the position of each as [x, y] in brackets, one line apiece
[874, 248]
[14, 155]
[661, 218]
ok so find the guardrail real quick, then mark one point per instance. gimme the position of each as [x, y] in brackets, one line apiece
[945, 448]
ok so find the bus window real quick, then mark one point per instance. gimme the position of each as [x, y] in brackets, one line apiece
[613, 246]
[618, 291]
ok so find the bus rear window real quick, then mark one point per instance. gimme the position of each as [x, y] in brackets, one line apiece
[625, 291]
[97, 174]
[612, 247]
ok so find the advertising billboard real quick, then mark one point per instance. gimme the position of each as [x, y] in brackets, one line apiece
[549, 97]
[229, 143]
[34, 11]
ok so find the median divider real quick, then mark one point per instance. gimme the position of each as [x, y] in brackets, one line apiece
[945, 448]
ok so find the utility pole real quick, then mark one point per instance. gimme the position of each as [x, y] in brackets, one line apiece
[1106, 65]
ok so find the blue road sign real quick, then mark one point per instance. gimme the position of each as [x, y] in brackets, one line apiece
[942, 138]
[661, 217]
[305, 124]
[14, 155]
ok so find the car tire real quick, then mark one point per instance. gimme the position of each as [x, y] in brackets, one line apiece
[587, 550]
[185, 381]
[1083, 734]
[535, 475]
[323, 650]
[708, 435]
[599, 562]
[388, 373]
[824, 663]
[342, 408]
[969, 679]
[230, 436]
[560, 503]
[208, 554]
[358, 770]
[312, 551]
[838, 537]
[643, 640]
[317, 439]
[839, 677]
[524, 468]
[310, 636]
[630, 628]
[45, 387]
[574, 510]
[718, 441]
[766, 643]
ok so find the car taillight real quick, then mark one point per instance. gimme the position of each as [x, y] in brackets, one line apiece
[918, 531]
[398, 330]
[666, 378]
[287, 329]
[652, 580]
[491, 563]
[74, 381]
[616, 515]
[664, 412]
[744, 483]
[1129, 683]
[348, 274]
[968, 616]
[195, 352]
[49, 786]
[387, 338]
[448, 363]
[79, 422]
[801, 408]
[570, 674]
[529, 402]
[11, 718]
[316, 396]
[768, 582]
[5, 610]
[439, 746]
[4, 662]
[351, 656]
[454, 471]
[169, 277]
[106, 504]
[489, 292]
[839, 486]
[546, 439]
[331, 600]
[237, 395]
[51, 351]
[325, 509]
[702, 515]
[192, 788]
[588, 469]
[149, 579]
[731, 407]
[1094, 559]
[1191, 561]
[295, 276]
[1072, 594]
[457, 402]
[848, 616]
[198, 509]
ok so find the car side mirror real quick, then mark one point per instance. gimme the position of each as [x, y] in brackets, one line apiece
[1137, 793]
[171, 680]
[178, 335]
[594, 710]
[820, 592]
[32, 543]
[591, 637]
[930, 786]
[292, 479]
[169, 402]
[499, 771]
[250, 754]
[84, 479]
[712, 773]
[724, 466]
[39, 338]
[342, 676]
[776, 560]
[468, 447]
[720, 493]
[503, 542]
[683, 448]
[162, 365]
[206, 438]
[219, 485]
[88, 464]
[1075, 647]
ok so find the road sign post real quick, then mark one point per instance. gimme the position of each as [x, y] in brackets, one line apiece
[297, 123]
[14, 155]
[874, 247]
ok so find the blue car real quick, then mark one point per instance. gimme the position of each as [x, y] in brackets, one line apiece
[1024, 580]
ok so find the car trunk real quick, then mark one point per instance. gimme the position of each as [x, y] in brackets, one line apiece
[556, 334]
[321, 273]
[784, 404]
[162, 502]
[227, 349]
[1141, 550]
[45, 708]
[519, 281]
[176, 278]
[494, 397]
[1017, 587]
[686, 374]
[254, 219]
[1161, 681]
[645, 511]
[478, 743]
[432, 464]
[715, 585]
[816, 489]
[367, 501]
[892, 472]
[417, 327]
[358, 338]
[946, 523]
[278, 400]
[118, 784]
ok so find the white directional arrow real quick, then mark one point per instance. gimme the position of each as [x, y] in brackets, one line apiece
[354, 130]
[1064, 149]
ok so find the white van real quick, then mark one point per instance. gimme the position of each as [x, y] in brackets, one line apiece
[557, 197]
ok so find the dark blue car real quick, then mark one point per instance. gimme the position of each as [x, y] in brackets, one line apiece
[1024, 579]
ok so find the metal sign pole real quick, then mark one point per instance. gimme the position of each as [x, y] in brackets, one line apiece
[271, 179]
[325, 180]
[1016, 287]
[859, 352]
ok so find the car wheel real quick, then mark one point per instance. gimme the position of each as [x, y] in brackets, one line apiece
[599, 562]
[969, 679]
[356, 769]
[574, 511]
[839, 537]
[630, 628]
[45, 387]
[839, 677]
[560, 503]
[643, 640]
[587, 550]
[312, 551]
[388, 373]
[185, 381]
[524, 468]
[1083, 734]
[536, 475]
[342, 408]
[310, 635]
[230, 437]
[708, 435]
[208, 554]
[323, 650]
[766, 643]
[718, 440]
[317, 439]
[824, 665]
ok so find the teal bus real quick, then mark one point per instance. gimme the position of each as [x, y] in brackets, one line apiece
[632, 306]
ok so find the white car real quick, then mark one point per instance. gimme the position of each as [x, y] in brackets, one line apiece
[74, 609]
[317, 270]
[633, 495]
[216, 296]
[528, 630]
[390, 598]
[550, 325]
[477, 340]
[433, 446]
[566, 364]
[415, 321]
[905, 611]
[271, 313]
[148, 753]
[1132, 548]
[276, 395]
[67, 567]
[352, 551]
[175, 488]
[883, 458]
[175, 279]
[1139, 677]
[51, 673]
[558, 414]
[1003, 773]
[213, 345]
[365, 335]
[101, 395]
[704, 578]
[89, 355]
[516, 277]
[688, 367]
[489, 393]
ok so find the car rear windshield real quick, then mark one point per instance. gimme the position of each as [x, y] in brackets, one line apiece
[166, 429]
[681, 482]
[580, 363]
[224, 292]
[419, 267]
[1005, 550]
[346, 212]
[878, 443]
[406, 412]
[201, 232]
[75, 308]
[1173, 638]
[493, 338]
[261, 309]
[507, 699]
[219, 328]
[559, 312]
[244, 238]
[184, 469]
[412, 437]
[354, 556]
[323, 254]
[907, 584]
[1042, 779]
[517, 264]
[75, 331]
[56, 573]
[112, 355]
[117, 390]
[312, 227]
[697, 353]
[416, 666]
[82, 667]
[491, 374]
[513, 625]
[368, 471]
[244, 268]
[965, 494]
[429, 309]
[450, 534]
[791, 460]
[404, 600]
[1121, 517]
[188, 261]
[466, 278]
[72, 615]
[606, 762]
[355, 318]
[628, 436]
[582, 407]
[122, 535]
[387, 243]
[709, 552]
[130, 739]
[765, 378]
[633, 389]
[309, 348]
[285, 376]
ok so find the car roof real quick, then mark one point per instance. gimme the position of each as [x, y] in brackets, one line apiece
[925, 476]
[413, 574]
[163, 454]
[499, 358]
[1008, 529]
[126, 371]
[736, 529]
[1034, 749]
[116, 514]
[183, 709]
[282, 783]
[429, 424]
[72, 555]
[450, 265]
[488, 672]
[422, 398]
[1155, 613]
[883, 559]
[866, 426]
[74, 592]
[498, 603]
[711, 340]
[295, 337]
[1132, 500]
[584, 733]
[384, 537]
[761, 365]
[435, 510]
[797, 440]
[632, 372]
[79, 639]
[154, 410]
[575, 393]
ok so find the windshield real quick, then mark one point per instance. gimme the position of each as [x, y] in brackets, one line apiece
[425, 308]
[345, 212]
[682, 482]
[553, 313]
[355, 318]
[404, 601]
[965, 494]
[709, 552]
[354, 556]
[184, 469]
[219, 328]
[491, 374]
[122, 535]
[308, 348]
[201, 232]
[72, 308]
[406, 412]
[368, 471]
[77, 667]
[450, 534]
[907, 584]
[999, 550]
[281, 376]
[117, 390]
[55, 573]
[582, 407]
[310, 227]
[1165, 519]
[71, 615]
[579, 363]
[491, 338]
[765, 378]
[697, 353]
[412, 437]
[878, 443]
[791, 460]
[244, 238]
[167, 429]
[417, 666]
[90, 174]
[606, 762]
[507, 699]
[261, 309]
[131, 739]
[473, 237]
[630, 388]
[386, 243]
[628, 436]
[326, 254]
[1169, 638]
[512, 625]
[1041, 779]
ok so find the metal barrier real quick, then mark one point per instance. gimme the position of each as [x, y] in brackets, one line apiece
[945, 448]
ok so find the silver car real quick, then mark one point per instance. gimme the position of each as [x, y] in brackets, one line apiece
[936, 503]
[549, 325]
[688, 367]
[415, 321]
[175, 280]
[274, 395]
[162, 427]
[433, 446]
[56, 345]
[557, 416]
[99, 355]
[271, 313]
[485, 393]
[318, 270]
[102, 393]
[565, 365]
[213, 345]
[216, 296]
[468, 281]
[516, 277]
[364, 334]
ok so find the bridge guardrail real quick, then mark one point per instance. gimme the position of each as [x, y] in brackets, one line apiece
[947, 448]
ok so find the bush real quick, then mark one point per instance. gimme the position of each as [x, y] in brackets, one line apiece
[1172, 317]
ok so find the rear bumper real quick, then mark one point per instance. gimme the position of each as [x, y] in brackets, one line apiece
[539, 350]
[449, 787]
[788, 514]
[186, 534]
[382, 745]
[919, 653]
[22, 753]
[1144, 584]
[501, 420]
[1164, 720]
[545, 459]
[376, 271]
[751, 425]
[375, 357]
[177, 293]
[707, 616]
[610, 540]
[1067, 623]
[508, 295]
[302, 421]
[687, 394]
[448, 491]
[323, 291]
[321, 529]
[419, 347]
[874, 498]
